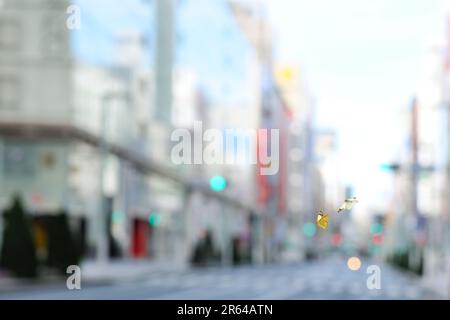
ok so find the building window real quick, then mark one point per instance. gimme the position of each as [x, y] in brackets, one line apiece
[10, 33]
[54, 5]
[9, 92]
[19, 160]
[54, 40]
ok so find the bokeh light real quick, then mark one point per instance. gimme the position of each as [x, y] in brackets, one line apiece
[354, 263]
[309, 229]
[217, 183]
[336, 239]
[154, 219]
[118, 217]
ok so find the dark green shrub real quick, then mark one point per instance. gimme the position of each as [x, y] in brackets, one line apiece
[418, 269]
[18, 254]
[62, 248]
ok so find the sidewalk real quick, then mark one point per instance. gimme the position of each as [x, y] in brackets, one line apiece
[439, 285]
[92, 273]
[436, 273]
[10, 285]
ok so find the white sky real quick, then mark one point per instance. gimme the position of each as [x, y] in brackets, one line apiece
[362, 60]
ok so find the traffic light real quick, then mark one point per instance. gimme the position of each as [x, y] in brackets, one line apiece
[377, 239]
[390, 166]
[336, 239]
[217, 183]
[376, 228]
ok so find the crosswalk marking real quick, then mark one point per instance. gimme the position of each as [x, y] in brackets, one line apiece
[271, 285]
[393, 291]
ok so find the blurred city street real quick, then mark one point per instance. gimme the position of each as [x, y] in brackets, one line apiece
[325, 279]
[224, 149]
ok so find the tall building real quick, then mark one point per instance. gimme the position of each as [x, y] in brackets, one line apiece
[433, 157]
[284, 104]
[302, 183]
[83, 125]
[61, 121]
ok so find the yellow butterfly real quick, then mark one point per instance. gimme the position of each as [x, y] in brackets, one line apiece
[322, 220]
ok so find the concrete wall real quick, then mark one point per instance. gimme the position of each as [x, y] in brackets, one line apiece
[34, 61]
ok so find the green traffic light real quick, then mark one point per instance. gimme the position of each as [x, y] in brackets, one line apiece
[217, 183]
[376, 228]
[390, 167]
[154, 219]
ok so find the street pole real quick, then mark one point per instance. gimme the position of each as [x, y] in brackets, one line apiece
[415, 147]
[102, 225]
[102, 241]
[182, 236]
[225, 256]
[222, 223]
[2, 197]
[413, 258]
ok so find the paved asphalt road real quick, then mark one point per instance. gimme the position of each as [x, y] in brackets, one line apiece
[322, 279]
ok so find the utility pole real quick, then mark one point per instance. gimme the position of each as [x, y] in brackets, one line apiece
[414, 255]
[102, 225]
[102, 236]
[414, 155]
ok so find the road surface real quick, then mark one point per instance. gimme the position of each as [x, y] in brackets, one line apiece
[321, 279]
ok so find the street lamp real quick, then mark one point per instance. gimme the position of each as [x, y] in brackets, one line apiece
[218, 183]
[102, 234]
